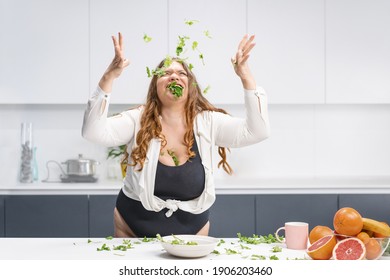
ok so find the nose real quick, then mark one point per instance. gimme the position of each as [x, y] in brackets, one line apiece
[174, 76]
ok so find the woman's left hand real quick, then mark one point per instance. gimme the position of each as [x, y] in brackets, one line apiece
[240, 62]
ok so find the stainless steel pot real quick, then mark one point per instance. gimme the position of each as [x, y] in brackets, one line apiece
[81, 166]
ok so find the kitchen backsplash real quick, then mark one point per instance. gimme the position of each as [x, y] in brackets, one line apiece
[305, 141]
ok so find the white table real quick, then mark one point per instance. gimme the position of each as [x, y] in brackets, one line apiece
[80, 248]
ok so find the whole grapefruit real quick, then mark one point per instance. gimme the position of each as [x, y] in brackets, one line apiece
[348, 221]
[373, 249]
[349, 249]
[318, 232]
[322, 249]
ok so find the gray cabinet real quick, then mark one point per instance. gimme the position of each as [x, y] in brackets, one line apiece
[231, 214]
[272, 211]
[101, 209]
[2, 217]
[46, 216]
[374, 206]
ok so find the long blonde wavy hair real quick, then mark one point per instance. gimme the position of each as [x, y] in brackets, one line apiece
[151, 125]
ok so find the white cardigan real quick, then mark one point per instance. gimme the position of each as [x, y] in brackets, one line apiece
[210, 129]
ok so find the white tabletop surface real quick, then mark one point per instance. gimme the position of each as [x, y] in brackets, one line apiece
[80, 248]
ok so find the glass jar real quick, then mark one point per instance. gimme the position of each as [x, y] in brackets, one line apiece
[26, 158]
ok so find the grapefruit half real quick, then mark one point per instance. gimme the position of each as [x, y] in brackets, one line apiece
[319, 231]
[349, 249]
[322, 249]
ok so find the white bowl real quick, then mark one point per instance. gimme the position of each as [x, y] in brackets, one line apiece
[204, 245]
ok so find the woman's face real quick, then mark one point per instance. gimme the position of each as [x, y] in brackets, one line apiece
[174, 73]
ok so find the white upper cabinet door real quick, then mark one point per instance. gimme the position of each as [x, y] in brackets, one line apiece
[358, 51]
[225, 22]
[289, 56]
[133, 19]
[44, 52]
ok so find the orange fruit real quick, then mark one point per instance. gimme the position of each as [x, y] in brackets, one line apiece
[322, 249]
[373, 249]
[318, 232]
[364, 237]
[349, 249]
[348, 221]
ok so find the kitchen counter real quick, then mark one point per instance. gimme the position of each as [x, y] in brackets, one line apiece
[232, 185]
[80, 248]
[86, 249]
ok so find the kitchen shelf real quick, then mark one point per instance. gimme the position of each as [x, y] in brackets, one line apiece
[230, 186]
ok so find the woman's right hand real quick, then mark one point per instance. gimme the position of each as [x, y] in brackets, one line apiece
[117, 65]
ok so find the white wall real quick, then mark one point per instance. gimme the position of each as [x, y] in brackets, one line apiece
[306, 141]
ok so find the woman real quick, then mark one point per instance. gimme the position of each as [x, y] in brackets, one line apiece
[169, 187]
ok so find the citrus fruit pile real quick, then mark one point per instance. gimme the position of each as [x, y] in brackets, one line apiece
[353, 237]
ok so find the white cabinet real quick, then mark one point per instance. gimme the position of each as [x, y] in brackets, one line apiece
[226, 23]
[289, 55]
[358, 51]
[44, 51]
[133, 19]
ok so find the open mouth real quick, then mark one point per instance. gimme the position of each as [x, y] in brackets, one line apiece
[175, 89]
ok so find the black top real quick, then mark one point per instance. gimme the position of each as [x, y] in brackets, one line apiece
[183, 182]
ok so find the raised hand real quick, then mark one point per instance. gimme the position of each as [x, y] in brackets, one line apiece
[117, 65]
[119, 62]
[240, 61]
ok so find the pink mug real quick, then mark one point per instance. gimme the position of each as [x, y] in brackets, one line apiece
[297, 234]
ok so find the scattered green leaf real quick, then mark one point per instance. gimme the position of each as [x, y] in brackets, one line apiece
[181, 44]
[206, 90]
[145, 239]
[257, 239]
[245, 247]
[257, 257]
[276, 249]
[109, 238]
[194, 45]
[274, 258]
[147, 39]
[104, 248]
[191, 22]
[231, 251]
[207, 34]
[221, 241]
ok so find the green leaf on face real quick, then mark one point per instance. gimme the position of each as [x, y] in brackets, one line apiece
[147, 39]
[168, 61]
[159, 72]
[177, 91]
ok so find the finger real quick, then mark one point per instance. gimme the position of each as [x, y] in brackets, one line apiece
[116, 45]
[120, 41]
[244, 59]
[248, 49]
[242, 42]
